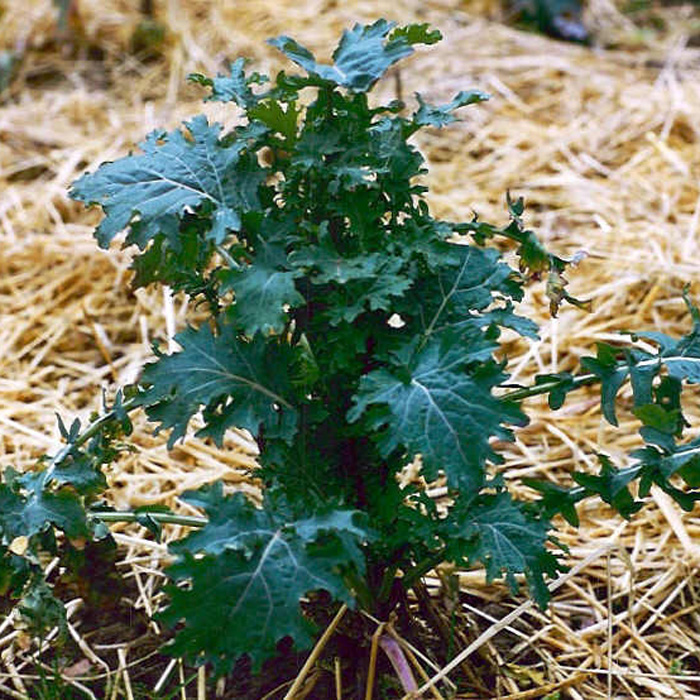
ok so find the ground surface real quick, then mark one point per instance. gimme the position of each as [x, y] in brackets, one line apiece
[604, 144]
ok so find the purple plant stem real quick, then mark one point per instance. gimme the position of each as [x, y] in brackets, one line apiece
[398, 660]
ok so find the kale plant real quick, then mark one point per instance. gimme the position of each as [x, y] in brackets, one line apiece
[349, 331]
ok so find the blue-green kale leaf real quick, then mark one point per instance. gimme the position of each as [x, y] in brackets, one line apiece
[439, 116]
[246, 572]
[435, 407]
[363, 55]
[27, 508]
[176, 172]
[235, 87]
[507, 538]
[239, 383]
[612, 366]
[264, 291]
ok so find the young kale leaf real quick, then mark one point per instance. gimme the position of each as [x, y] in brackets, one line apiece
[363, 54]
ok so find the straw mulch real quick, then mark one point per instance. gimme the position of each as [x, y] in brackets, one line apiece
[603, 143]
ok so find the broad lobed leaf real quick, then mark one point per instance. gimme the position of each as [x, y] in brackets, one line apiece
[500, 533]
[176, 172]
[363, 55]
[463, 291]
[247, 570]
[239, 382]
[436, 408]
[264, 292]
[32, 509]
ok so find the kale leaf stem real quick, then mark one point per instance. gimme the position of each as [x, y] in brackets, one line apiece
[93, 429]
[127, 516]
[423, 567]
[226, 257]
[546, 387]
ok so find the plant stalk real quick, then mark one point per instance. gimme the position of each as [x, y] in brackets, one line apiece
[128, 516]
[226, 256]
[422, 568]
[546, 387]
[357, 584]
[92, 430]
[398, 660]
[387, 583]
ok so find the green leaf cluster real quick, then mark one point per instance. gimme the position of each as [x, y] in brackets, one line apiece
[657, 379]
[55, 497]
[350, 332]
[247, 570]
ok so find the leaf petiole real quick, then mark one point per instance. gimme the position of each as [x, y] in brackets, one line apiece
[128, 516]
[546, 387]
[226, 257]
[93, 429]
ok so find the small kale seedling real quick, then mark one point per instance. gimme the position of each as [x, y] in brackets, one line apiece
[348, 331]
